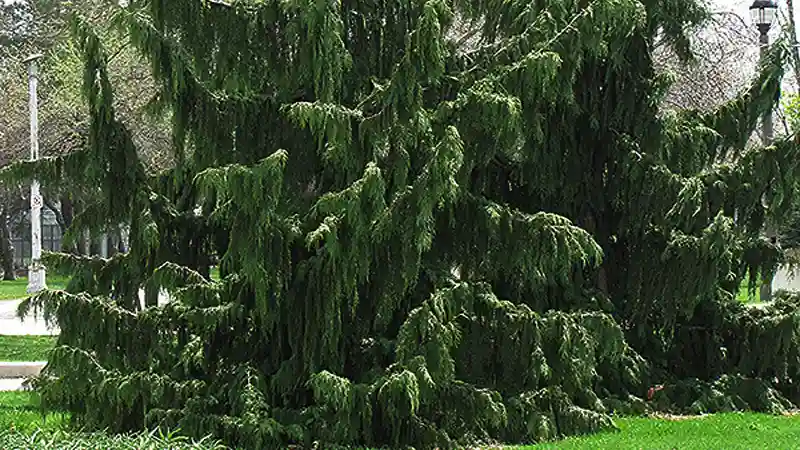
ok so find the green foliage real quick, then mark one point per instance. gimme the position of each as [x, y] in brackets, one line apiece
[791, 107]
[24, 425]
[420, 242]
[62, 440]
[789, 236]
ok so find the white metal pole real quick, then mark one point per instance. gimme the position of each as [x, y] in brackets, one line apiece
[36, 271]
[104, 245]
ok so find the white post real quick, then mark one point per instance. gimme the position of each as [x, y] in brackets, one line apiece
[87, 242]
[124, 234]
[104, 245]
[36, 272]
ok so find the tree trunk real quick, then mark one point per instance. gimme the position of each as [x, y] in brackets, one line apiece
[67, 214]
[103, 245]
[86, 243]
[119, 239]
[589, 223]
[765, 292]
[6, 249]
[150, 295]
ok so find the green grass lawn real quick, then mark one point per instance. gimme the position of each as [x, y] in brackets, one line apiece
[745, 431]
[10, 290]
[22, 426]
[744, 295]
[20, 411]
[26, 348]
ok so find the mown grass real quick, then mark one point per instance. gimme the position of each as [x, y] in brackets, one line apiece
[22, 426]
[20, 412]
[15, 289]
[26, 348]
[745, 296]
[732, 431]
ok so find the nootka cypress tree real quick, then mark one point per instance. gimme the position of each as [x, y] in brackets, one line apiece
[436, 222]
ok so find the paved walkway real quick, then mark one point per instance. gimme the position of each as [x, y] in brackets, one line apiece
[785, 279]
[10, 324]
[11, 384]
[20, 369]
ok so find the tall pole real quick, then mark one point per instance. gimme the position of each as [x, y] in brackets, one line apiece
[36, 271]
[766, 123]
[765, 292]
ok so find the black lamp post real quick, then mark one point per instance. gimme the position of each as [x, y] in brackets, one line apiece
[763, 13]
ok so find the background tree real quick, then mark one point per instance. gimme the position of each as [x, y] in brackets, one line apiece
[421, 242]
[42, 26]
[723, 49]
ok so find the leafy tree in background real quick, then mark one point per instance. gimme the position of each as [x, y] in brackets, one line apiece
[724, 47]
[438, 222]
[42, 26]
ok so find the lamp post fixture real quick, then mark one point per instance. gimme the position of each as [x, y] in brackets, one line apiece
[763, 13]
[36, 272]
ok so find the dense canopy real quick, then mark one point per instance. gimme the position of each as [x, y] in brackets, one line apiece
[435, 221]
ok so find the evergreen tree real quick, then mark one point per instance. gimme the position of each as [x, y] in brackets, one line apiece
[426, 236]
